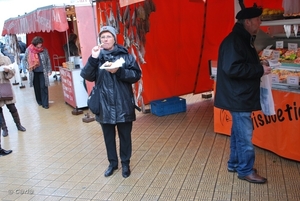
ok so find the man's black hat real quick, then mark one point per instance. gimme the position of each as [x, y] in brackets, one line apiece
[248, 13]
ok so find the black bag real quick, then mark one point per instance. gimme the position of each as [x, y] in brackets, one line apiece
[93, 101]
[6, 92]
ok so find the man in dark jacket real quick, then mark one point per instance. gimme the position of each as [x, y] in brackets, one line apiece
[22, 45]
[71, 48]
[114, 71]
[238, 90]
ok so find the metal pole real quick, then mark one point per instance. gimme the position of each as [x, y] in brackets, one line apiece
[95, 20]
[67, 59]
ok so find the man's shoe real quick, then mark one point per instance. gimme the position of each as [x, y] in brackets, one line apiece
[125, 171]
[234, 170]
[4, 152]
[254, 178]
[109, 171]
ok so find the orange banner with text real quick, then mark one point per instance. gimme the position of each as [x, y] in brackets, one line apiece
[279, 133]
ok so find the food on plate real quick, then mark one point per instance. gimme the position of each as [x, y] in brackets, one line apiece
[110, 65]
[107, 64]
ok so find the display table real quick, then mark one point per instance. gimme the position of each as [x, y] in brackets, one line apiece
[73, 88]
[278, 133]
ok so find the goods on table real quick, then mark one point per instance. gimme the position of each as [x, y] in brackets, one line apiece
[291, 8]
[286, 69]
[283, 74]
[286, 56]
[271, 14]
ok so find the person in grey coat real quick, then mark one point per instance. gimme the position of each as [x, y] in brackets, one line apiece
[117, 103]
[37, 61]
[6, 73]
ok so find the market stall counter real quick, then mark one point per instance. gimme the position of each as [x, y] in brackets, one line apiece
[74, 91]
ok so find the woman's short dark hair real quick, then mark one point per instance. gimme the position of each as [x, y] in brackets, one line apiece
[72, 37]
[37, 40]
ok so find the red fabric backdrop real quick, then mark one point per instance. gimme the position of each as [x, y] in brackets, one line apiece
[274, 4]
[184, 35]
[173, 48]
[53, 41]
[218, 23]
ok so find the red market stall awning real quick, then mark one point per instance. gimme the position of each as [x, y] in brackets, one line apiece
[50, 23]
[44, 19]
[123, 2]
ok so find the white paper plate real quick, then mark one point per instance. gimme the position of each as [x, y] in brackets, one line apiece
[109, 67]
[118, 63]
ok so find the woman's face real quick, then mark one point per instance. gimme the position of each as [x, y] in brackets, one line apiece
[107, 41]
[39, 45]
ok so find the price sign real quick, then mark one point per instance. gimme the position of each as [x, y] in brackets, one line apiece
[293, 46]
[294, 80]
[267, 52]
[279, 44]
[276, 55]
[275, 78]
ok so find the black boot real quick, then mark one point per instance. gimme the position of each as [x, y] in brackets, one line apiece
[4, 127]
[5, 131]
[16, 117]
[4, 152]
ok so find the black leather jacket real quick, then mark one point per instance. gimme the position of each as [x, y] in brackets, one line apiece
[238, 73]
[117, 99]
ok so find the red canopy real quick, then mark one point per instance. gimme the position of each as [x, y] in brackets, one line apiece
[44, 19]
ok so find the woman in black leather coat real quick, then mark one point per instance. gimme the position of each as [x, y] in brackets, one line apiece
[117, 104]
